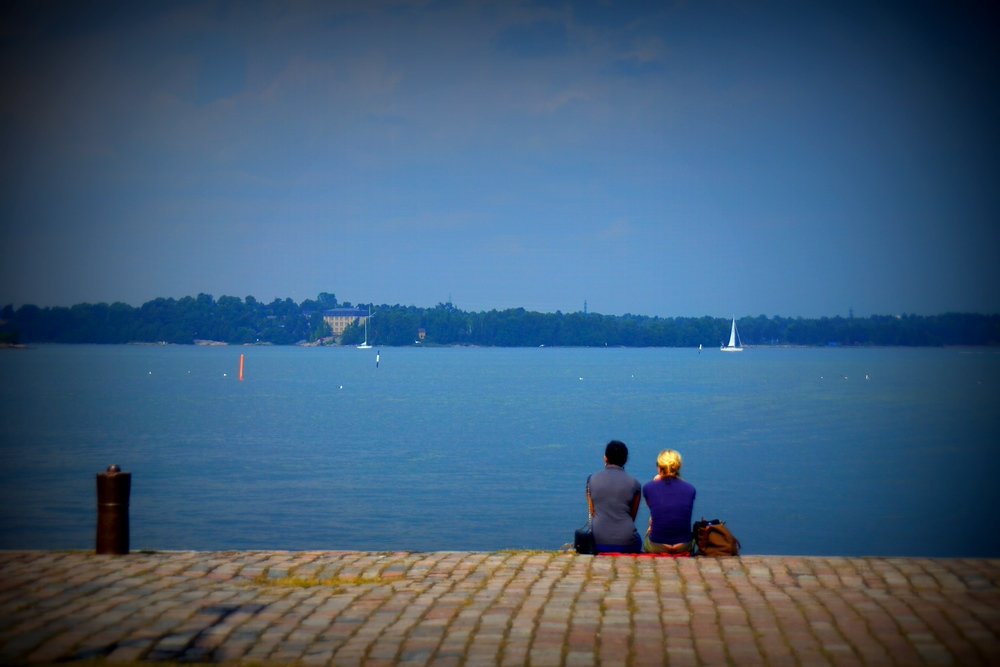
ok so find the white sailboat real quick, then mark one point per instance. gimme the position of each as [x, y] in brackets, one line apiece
[735, 344]
[365, 345]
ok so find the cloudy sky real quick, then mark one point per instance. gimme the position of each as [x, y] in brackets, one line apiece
[696, 158]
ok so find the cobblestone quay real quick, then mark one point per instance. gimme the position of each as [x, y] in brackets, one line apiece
[504, 608]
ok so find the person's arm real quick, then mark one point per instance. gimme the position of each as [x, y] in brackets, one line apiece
[649, 528]
[635, 505]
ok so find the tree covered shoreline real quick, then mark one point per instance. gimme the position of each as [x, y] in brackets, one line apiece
[283, 322]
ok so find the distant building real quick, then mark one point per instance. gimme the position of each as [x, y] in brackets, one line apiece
[341, 318]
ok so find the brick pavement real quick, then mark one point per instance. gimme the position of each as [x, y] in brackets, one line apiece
[504, 608]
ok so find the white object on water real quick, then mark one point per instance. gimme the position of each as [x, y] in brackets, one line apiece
[365, 345]
[735, 344]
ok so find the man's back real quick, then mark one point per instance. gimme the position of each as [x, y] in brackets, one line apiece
[613, 492]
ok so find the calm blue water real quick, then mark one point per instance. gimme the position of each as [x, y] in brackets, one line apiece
[473, 449]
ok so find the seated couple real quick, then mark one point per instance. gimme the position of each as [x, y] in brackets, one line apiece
[613, 500]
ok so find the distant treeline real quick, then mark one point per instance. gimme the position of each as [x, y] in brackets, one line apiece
[284, 322]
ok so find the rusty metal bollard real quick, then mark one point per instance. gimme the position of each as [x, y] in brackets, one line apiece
[113, 488]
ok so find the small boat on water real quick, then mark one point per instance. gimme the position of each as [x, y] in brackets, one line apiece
[365, 345]
[735, 344]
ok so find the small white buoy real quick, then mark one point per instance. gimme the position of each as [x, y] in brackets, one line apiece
[341, 386]
[150, 372]
[225, 375]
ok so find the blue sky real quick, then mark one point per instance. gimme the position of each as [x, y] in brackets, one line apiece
[697, 158]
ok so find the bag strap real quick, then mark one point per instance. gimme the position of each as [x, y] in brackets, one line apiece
[590, 502]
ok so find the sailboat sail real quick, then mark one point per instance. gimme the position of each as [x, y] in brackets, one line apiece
[365, 345]
[735, 345]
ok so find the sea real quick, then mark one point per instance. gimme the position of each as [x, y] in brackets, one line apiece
[802, 451]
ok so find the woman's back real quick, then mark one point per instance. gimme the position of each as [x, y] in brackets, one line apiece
[671, 503]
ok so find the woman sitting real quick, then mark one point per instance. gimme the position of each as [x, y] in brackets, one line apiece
[671, 502]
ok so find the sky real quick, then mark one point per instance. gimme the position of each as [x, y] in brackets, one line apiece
[670, 159]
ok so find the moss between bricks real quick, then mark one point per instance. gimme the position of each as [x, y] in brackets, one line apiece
[263, 579]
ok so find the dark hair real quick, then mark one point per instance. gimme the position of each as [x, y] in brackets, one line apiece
[616, 453]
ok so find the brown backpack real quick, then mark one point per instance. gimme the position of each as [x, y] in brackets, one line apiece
[714, 539]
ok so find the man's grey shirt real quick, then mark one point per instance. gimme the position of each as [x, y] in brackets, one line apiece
[613, 491]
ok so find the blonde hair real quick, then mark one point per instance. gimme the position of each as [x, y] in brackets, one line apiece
[669, 462]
